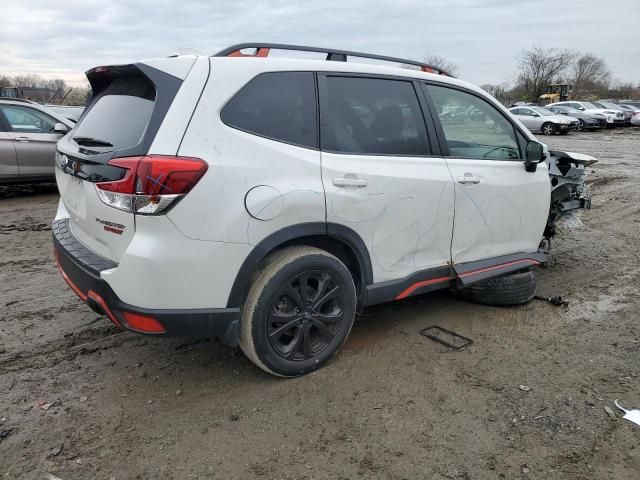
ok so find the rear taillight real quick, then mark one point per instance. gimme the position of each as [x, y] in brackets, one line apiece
[151, 184]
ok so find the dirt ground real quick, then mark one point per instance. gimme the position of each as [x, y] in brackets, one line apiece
[81, 401]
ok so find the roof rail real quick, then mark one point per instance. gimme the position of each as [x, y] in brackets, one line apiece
[262, 50]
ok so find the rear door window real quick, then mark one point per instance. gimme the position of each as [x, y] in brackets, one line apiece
[119, 117]
[279, 105]
[372, 116]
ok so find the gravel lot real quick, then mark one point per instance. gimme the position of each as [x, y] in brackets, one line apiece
[81, 401]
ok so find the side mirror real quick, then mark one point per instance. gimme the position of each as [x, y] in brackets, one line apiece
[534, 155]
[60, 128]
[564, 113]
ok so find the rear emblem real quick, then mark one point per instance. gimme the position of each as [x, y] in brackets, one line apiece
[111, 226]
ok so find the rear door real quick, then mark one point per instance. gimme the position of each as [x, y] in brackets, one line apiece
[8, 159]
[381, 175]
[33, 137]
[128, 106]
[500, 208]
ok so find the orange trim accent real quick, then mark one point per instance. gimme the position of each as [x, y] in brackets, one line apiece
[261, 52]
[502, 265]
[97, 298]
[423, 283]
[433, 281]
[73, 286]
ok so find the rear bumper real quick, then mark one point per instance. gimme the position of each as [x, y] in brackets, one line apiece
[81, 268]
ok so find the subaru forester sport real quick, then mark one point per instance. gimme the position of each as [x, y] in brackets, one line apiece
[265, 200]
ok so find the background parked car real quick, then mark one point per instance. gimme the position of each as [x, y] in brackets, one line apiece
[28, 137]
[635, 112]
[634, 103]
[613, 106]
[585, 120]
[69, 112]
[538, 119]
[614, 117]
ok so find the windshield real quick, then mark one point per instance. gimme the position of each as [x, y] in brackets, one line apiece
[543, 111]
[609, 105]
[120, 116]
[591, 105]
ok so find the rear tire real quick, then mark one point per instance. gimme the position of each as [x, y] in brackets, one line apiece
[548, 129]
[507, 290]
[299, 311]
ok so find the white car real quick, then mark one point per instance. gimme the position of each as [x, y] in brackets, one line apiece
[614, 117]
[265, 200]
[538, 119]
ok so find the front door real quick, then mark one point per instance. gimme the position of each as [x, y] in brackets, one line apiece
[380, 176]
[33, 139]
[500, 208]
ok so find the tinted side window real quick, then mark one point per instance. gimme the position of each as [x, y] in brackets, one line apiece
[279, 105]
[489, 136]
[28, 120]
[372, 116]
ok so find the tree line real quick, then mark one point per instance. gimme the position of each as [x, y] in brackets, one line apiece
[587, 74]
[64, 93]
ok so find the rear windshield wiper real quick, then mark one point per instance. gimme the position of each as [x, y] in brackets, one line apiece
[92, 142]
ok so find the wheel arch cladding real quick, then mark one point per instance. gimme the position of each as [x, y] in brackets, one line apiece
[336, 239]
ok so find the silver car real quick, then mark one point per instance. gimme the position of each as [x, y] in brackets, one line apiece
[635, 113]
[586, 120]
[28, 137]
[538, 119]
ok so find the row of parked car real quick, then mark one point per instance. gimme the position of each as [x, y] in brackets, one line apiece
[562, 117]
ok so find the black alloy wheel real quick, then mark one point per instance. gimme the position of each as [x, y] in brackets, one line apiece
[306, 315]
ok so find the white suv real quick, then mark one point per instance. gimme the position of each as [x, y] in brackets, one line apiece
[265, 200]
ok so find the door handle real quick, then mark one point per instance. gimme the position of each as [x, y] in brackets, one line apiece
[350, 182]
[468, 178]
[22, 139]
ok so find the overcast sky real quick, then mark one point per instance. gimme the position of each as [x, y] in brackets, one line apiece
[63, 38]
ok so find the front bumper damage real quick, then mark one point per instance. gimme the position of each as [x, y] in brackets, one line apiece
[567, 173]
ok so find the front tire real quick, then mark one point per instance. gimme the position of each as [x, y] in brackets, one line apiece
[548, 129]
[581, 126]
[299, 311]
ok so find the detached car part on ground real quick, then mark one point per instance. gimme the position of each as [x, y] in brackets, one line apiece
[201, 196]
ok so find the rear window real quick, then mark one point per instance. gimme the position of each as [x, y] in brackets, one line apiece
[119, 117]
[279, 105]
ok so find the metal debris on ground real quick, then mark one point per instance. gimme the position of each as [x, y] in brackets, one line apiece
[556, 300]
[524, 388]
[610, 412]
[446, 337]
[631, 415]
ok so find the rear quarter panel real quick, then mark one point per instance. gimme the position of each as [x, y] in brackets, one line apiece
[280, 183]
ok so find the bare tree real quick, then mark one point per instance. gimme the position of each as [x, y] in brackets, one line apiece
[590, 76]
[442, 63]
[540, 67]
[438, 62]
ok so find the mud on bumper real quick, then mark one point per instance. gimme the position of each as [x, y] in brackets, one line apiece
[80, 267]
